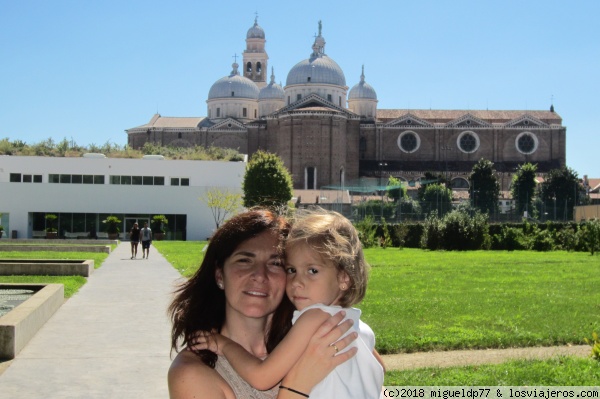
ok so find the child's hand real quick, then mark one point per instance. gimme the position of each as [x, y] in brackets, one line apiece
[205, 340]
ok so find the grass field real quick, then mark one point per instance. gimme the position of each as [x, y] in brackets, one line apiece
[71, 283]
[560, 371]
[422, 301]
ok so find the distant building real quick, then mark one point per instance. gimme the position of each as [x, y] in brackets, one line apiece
[328, 135]
[84, 191]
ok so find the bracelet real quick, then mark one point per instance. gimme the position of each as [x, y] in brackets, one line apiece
[293, 390]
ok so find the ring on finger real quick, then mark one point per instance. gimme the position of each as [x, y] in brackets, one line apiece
[335, 347]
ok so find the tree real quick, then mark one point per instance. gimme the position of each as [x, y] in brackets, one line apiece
[222, 203]
[430, 178]
[523, 187]
[395, 189]
[437, 198]
[560, 192]
[485, 188]
[267, 182]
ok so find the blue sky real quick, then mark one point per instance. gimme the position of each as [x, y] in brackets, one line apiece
[87, 70]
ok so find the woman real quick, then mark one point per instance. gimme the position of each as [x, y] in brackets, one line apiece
[134, 236]
[239, 291]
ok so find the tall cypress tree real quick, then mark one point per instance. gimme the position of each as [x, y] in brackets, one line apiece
[485, 188]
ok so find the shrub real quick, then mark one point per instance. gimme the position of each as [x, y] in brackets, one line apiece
[433, 229]
[51, 222]
[159, 223]
[367, 232]
[591, 235]
[513, 239]
[542, 241]
[113, 224]
[595, 344]
[567, 239]
[399, 234]
[386, 239]
[461, 231]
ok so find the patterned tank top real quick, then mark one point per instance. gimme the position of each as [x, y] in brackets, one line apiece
[240, 387]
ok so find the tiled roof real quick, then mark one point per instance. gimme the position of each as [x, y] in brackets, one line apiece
[158, 121]
[445, 116]
[322, 196]
[594, 184]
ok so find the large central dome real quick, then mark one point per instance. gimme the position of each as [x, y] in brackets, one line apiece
[318, 69]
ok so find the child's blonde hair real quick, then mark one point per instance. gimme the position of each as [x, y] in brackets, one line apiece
[336, 239]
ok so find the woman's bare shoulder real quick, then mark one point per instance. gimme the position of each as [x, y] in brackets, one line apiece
[189, 377]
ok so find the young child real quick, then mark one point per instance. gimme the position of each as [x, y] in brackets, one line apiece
[326, 271]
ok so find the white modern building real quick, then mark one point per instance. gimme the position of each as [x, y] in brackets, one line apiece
[84, 191]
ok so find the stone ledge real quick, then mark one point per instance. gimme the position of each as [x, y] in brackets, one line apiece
[46, 267]
[54, 248]
[18, 326]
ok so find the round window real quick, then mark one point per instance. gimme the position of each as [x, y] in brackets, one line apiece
[526, 143]
[468, 142]
[409, 142]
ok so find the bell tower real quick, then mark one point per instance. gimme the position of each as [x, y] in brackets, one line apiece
[255, 57]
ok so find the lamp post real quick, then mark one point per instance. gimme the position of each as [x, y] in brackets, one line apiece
[554, 198]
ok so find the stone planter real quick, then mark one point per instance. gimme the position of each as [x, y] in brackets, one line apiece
[113, 236]
[159, 236]
[52, 234]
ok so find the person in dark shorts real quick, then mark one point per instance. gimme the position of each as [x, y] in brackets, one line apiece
[134, 236]
[146, 236]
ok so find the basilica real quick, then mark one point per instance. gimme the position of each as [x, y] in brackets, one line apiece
[329, 136]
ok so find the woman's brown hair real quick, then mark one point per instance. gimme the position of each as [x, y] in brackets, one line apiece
[199, 305]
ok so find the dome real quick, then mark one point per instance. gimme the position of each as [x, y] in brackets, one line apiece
[362, 90]
[235, 86]
[272, 90]
[319, 68]
[256, 32]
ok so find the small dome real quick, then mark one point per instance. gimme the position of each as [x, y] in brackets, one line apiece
[362, 90]
[256, 32]
[272, 90]
[234, 86]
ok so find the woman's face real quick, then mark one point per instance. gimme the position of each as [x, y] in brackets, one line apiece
[253, 277]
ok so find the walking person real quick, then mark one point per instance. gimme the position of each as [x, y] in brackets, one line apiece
[146, 236]
[134, 236]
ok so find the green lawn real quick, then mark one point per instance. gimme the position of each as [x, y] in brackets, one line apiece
[422, 301]
[71, 283]
[185, 256]
[560, 371]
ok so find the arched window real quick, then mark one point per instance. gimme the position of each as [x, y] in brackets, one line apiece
[249, 67]
[258, 67]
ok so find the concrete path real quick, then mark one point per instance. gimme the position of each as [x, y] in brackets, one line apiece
[110, 340]
[406, 361]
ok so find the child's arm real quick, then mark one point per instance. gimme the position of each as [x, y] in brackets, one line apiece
[379, 359]
[264, 374]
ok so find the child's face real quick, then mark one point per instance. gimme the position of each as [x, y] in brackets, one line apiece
[310, 279]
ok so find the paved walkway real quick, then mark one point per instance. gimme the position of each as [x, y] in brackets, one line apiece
[110, 340]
